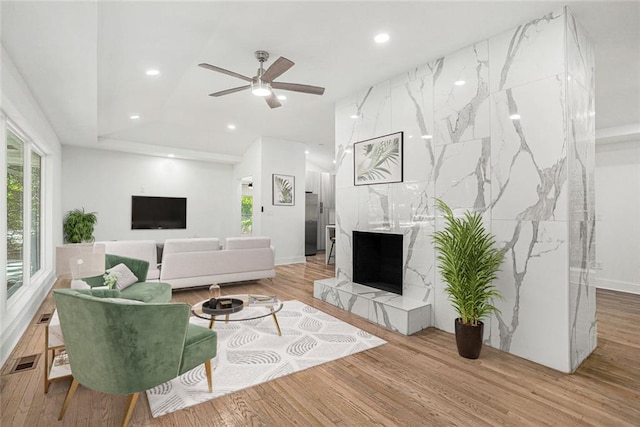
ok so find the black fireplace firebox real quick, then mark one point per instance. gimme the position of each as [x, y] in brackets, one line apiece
[377, 260]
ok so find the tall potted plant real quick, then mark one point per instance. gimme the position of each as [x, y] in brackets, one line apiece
[78, 226]
[468, 262]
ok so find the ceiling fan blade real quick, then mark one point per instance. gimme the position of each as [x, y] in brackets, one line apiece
[313, 90]
[228, 91]
[272, 100]
[223, 71]
[276, 69]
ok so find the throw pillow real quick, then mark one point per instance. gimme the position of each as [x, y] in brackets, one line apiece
[125, 277]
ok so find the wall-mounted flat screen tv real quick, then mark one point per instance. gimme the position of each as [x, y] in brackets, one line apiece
[161, 213]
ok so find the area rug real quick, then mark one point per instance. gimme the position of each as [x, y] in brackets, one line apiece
[251, 353]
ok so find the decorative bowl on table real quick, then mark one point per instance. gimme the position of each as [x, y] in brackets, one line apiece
[218, 306]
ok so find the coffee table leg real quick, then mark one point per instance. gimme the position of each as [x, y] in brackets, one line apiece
[226, 318]
[212, 321]
[275, 319]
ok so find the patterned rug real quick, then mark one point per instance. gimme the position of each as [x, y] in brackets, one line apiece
[251, 352]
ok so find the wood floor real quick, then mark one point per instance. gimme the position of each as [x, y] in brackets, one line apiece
[415, 381]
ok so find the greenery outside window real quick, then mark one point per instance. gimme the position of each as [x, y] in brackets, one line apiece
[36, 212]
[246, 214]
[15, 213]
[24, 212]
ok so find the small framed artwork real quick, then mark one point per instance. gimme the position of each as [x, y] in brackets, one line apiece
[378, 160]
[284, 188]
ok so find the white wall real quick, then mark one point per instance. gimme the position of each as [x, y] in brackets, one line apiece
[618, 211]
[284, 224]
[104, 181]
[20, 107]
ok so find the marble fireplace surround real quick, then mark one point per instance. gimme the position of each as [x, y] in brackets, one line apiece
[516, 142]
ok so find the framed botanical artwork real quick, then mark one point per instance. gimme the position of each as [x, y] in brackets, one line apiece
[284, 187]
[378, 160]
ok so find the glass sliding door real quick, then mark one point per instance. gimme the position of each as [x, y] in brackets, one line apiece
[36, 212]
[15, 213]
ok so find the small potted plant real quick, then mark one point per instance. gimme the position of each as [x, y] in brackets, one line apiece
[78, 226]
[468, 262]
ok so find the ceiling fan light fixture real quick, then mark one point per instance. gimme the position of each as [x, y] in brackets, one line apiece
[260, 88]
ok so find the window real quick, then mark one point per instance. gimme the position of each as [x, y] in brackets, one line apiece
[24, 212]
[15, 213]
[246, 206]
[247, 214]
[36, 212]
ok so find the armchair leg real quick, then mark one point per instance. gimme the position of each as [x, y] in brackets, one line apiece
[72, 389]
[133, 399]
[207, 368]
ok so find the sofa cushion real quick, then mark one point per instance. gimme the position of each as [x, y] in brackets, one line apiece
[247, 242]
[190, 245]
[139, 249]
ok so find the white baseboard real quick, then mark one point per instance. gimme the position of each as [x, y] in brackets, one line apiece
[291, 260]
[616, 285]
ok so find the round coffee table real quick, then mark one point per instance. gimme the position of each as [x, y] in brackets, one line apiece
[249, 312]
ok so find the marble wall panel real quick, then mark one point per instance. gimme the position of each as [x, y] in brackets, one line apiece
[374, 112]
[461, 111]
[533, 282]
[413, 216]
[580, 53]
[529, 52]
[532, 178]
[582, 297]
[412, 112]
[347, 220]
[464, 179]
[375, 207]
[345, 136]
[529, 154]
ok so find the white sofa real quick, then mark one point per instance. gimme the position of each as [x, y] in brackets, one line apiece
[202, 261]
[139, 249]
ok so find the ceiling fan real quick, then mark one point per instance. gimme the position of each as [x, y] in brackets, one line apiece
[263, 83]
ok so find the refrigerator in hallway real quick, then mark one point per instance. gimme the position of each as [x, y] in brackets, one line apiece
[311, 224]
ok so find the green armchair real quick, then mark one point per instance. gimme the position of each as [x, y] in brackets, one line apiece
[124, 347]
[141, 290]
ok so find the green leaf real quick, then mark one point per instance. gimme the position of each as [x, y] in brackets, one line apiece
[468, 262]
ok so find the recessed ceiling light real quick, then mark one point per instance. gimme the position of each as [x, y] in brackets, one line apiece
[134, 117]
[282, 97]
[426, 136]
[381, 38]
[171, 155]
[515, 116]
[459, 82]
[231, 126]
[152, 72]
[306, 151]
[334, 161]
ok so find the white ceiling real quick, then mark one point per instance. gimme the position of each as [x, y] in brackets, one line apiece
[85, 63]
